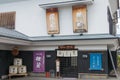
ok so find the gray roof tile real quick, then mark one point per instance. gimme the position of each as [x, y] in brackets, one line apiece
[73, 37]
[17, 35]
[4, 32]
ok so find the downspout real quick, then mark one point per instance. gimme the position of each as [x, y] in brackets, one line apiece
[113, 63]
[112, 58]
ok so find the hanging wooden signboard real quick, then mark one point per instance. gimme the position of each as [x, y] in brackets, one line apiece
[79, 19]
[64, 47]
[52, 21]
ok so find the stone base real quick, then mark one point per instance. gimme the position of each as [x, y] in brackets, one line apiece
[92, 76]
[37, 74]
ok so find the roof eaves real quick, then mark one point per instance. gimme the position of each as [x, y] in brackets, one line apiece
[12, 34]
[73, 37]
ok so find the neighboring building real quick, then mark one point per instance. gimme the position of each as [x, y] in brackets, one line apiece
[118, 24]
[78, 32]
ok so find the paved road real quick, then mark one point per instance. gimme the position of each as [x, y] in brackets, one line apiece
[39, 78]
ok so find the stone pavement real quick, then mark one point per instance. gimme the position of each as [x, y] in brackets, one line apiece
[39, 78]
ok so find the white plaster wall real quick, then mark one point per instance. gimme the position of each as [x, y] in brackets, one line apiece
[31, 19]
[97, 17]
[6, 47]
[89, 47]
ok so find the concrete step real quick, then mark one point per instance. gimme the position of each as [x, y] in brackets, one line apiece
[69, 79]
[92, 76]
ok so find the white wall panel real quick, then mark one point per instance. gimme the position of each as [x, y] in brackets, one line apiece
[31, 19]
[89, 47]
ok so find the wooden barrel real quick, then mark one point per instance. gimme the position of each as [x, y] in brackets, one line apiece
[22, 69]
[13, 69]
[17, 61]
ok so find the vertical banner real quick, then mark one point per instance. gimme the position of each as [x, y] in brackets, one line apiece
[79, 19]
[39, 61]
[52, 21]
[95, 61]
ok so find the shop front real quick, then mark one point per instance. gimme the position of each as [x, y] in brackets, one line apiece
[68, 57]
[79, 57]
[74, 63]
[81, 63]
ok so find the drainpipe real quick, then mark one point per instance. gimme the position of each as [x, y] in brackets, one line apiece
[113, 64]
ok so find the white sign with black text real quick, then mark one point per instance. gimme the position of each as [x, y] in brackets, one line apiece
[67, 53]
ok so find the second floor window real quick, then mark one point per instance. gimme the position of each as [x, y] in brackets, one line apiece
[7, 20]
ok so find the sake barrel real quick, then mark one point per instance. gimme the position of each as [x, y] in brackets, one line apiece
[13, 69]
[22, 69]
[17, 61]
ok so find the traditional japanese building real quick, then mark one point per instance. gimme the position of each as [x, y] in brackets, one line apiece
[80, 33]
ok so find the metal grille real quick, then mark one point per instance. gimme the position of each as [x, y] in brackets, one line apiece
[68, 66]
[73, 61]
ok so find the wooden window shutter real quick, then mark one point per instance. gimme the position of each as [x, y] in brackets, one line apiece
[79, 19]
[7, 20]
[52, 21]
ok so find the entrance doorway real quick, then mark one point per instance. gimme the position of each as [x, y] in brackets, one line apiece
[68, 66]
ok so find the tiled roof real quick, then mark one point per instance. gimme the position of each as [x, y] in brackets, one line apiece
[4, 32]
[17, 35]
